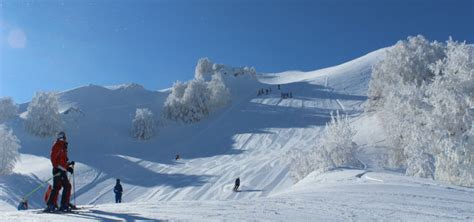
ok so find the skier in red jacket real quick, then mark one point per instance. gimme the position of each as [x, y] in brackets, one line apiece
[61, 166]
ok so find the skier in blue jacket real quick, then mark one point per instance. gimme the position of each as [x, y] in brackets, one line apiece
[118, 190]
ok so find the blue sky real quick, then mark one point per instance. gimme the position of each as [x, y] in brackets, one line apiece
[57, 45]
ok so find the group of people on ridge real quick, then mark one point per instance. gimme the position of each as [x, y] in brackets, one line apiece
[269, 90]
[286, 95]
[264, 91]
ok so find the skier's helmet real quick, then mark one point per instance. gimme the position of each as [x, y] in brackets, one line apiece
[118, 180]
[61, 136]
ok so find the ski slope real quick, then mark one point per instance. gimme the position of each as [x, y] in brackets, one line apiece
[335, 196]
[248, 139]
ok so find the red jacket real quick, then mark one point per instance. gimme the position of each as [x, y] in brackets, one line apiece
[59, 155]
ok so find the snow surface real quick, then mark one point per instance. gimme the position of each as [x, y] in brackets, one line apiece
[248, 139]
[335, 196]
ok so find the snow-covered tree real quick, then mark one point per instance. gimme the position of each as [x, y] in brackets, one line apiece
[302, 163]
[43, 117]
[192, 101]
[338, 141]
[403, 124]
[8, 109]
[143, 125]
[204, 69]
[405, 63]
[188, 102]
[336, 148]
[397, 90]
[173, 107]
[219, 93]
[196, 101]
[246, 70]
[9, 145]
[450, 117]
[424, 92]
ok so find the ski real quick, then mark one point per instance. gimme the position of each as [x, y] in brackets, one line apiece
[73, 211]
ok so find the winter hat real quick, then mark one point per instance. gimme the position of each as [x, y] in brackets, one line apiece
[61, 136]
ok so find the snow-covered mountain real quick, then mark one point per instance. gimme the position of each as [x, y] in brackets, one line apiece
[249, 139]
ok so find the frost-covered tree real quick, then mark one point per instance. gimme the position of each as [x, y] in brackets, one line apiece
[424, 93]
[219, 93]
[403, 124]
[302, 163]
[450, 117]
[336, 148]
[196, 101]
[143, 125]
[173, 108]
[246, 70]
[43, 117]
[405, 63]
[397, 90]
[8, 109]
[188, 102]
[338, 141]
[9, 145]
[204, 69]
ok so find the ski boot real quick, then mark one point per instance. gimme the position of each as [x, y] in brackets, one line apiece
[64, 208]
[50, 209]
[72, 206]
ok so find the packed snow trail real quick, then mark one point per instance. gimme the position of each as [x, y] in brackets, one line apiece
[334, 196]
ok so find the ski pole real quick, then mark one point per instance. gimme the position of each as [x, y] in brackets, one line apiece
[74, 186]
[38, 187]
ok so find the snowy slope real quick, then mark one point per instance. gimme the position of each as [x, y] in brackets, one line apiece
[248, 139]
[351, 76]
[335, 196]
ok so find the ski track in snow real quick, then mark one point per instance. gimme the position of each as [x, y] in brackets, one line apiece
[250, 140]
[335, 196]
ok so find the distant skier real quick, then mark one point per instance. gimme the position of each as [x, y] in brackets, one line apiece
[118, 190]
[61, 166]
[278, 86]
[237, 184]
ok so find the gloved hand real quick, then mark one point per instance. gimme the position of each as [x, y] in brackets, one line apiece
[56, 171]
[71, 163]
[70, 170]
